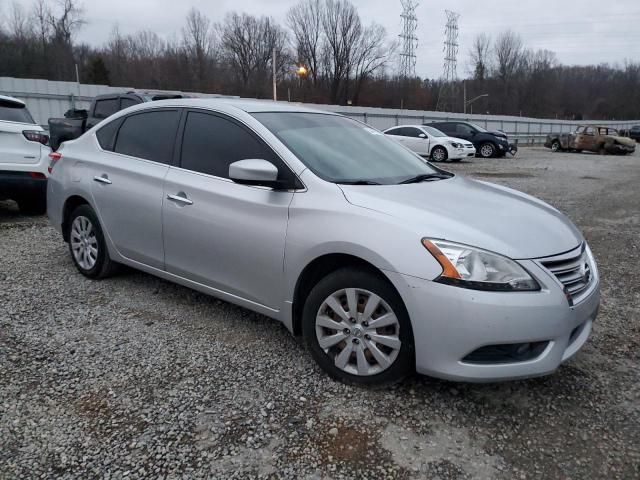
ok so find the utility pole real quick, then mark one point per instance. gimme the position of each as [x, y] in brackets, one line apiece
[275, 83]
[447, 95]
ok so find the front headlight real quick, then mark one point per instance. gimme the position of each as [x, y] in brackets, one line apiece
[476, 269]
[455, 145]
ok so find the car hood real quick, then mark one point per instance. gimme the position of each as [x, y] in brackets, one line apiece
[499, 134]
[474, 213]
[454, 139]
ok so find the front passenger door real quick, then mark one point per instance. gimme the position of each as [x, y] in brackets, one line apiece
[218, 233]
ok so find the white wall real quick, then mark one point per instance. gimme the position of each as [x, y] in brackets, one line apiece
[46, 99]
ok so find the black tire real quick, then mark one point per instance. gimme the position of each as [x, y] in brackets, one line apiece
[104, 266]
[556, 146]
[487, 150]
[404, 363]
[439, 152]
[33, 206]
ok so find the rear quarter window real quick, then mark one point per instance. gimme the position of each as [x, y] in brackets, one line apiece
[14, 112]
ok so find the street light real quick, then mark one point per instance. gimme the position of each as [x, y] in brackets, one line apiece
[302, 71]
[473, 100]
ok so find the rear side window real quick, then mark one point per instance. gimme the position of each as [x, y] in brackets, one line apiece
[106, 108]
[14, 112]
[107, 134]
[149, 135]
[211, 143]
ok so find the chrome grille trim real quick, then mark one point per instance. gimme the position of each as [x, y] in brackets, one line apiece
[574, 271]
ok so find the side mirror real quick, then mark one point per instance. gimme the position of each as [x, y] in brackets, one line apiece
[422, 135]
[255, 172]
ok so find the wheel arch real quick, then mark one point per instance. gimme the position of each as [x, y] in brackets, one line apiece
[319, 268]
[70, 204]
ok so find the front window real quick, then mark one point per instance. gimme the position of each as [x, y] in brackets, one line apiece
[479, 128]
[342, 150]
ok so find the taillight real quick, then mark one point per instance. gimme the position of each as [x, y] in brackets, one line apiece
[36, 136]
[54, 156]
[38, 175]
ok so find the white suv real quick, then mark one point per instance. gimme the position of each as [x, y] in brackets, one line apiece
[23, 157]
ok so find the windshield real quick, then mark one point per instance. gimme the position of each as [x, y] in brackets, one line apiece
[479, 128]
[14, 112]
[434, 132]
[341, 150]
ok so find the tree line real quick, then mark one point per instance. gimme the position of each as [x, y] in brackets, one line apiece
[344, 62]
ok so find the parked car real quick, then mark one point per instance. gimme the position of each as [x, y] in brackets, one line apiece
[383, 262]
[431, 142]
[78, 121]
[592, 138]
[23, 157]
[488, 144]
[634, 132]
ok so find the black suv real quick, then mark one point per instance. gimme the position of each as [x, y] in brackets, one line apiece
[634, 133]
[488, 144]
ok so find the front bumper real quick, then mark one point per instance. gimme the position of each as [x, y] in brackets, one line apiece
[21, 185]
[449, 323]
[461, 153]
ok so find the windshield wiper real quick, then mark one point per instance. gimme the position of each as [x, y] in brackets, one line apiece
[425, 177]
[359, 182]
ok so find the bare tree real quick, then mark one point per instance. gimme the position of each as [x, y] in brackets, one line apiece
[480, 56]
[305, 22]
[198, 40]
[343, 29]
[68, 20]
[371, 55]
[248, 43]
[508, 52]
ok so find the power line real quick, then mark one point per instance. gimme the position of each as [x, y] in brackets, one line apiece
[447, 95]
[408, 38]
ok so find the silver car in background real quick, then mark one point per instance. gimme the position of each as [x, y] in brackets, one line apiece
[383, 262]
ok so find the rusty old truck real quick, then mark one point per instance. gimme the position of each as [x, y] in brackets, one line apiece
[591, 138]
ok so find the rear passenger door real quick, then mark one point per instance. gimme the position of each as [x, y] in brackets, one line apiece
[218, 233]
[127, 178]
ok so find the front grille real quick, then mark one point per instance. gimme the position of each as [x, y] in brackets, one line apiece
[574, 272]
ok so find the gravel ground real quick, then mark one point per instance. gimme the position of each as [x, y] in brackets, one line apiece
[136, 377]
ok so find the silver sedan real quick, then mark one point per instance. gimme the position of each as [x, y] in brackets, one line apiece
[383, 262]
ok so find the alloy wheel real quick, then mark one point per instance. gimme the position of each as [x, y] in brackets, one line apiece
[439, 155]
[486, 150]
[84, 243]
[359, 331]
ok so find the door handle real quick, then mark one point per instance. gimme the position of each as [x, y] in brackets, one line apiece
[104, 179]
[180, 199]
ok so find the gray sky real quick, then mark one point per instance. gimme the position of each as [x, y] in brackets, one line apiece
[579, 31]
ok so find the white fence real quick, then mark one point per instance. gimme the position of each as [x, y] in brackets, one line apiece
[47, 99]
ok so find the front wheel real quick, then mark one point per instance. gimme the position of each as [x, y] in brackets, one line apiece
[439, 154]
[87, 245]
[555, 146]
[358, 329]
[487, 150]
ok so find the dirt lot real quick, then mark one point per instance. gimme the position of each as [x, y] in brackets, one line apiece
[134, 377]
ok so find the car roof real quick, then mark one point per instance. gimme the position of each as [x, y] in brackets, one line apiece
[5, 98]
[249, 106]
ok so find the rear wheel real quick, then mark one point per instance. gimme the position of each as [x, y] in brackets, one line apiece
[439, 154]
[357, 328]
[555, 146]
[87, 246]
[487, 150]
